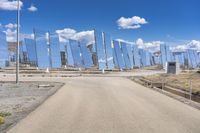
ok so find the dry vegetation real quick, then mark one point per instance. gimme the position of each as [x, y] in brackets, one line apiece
[180, 81]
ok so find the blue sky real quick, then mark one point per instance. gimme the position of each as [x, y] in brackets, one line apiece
[167, 20]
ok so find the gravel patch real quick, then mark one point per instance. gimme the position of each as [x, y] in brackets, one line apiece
[19, 100]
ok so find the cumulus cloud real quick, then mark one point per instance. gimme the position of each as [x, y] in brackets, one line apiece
[11, 26]
[65, 34]
[131, 23]
[9, 5]
[193, 44]
[179, 48]
[153, 46]
[84, 36]
[11, 33]
[32, 8]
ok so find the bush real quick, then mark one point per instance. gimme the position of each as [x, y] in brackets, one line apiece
[1, 120]
[4, 114]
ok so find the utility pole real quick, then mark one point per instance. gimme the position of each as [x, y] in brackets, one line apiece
[17, 46]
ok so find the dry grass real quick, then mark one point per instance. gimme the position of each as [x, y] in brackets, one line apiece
[180, 81]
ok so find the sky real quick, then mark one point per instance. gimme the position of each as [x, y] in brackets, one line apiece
[173, 22]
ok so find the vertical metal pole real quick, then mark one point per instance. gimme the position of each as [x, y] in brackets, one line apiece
[104, 44]
[190, 84]
[17, 47]
[162, 84]
[95, 39]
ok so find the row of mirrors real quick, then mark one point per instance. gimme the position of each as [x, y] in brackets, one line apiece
[46, 51]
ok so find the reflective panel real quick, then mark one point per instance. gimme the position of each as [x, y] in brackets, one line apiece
[86, 56]
[69, 56]
[63, 54]
[24, 52]
[12, 56]
[168, 53]
[179, 57]
[3, 50]
[31, 51]
[119, 55]
[191, 59]
[182, 58]
[21, 56]
[108, 51]
[115, 59]
[62, 46]
[125, 55]
[151, 59]
[43, 60]
[130, 53]
[197, 59]
[76, 53]
[172, 56]
[100, 50]
[136, 57]
[55, 51]
[148, 58]
[163, 54]
[143, 57]
[156, 59]
[186, 61]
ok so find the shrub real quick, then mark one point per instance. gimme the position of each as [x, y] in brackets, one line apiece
[1, 120]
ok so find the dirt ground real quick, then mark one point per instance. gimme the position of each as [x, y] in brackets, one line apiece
[181, 81]
[17, 101]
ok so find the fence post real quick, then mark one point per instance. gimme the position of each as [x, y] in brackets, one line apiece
[190, 85]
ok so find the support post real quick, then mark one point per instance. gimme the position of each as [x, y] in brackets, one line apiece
[17, 46]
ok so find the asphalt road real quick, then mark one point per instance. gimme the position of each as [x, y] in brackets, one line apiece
[109, 105]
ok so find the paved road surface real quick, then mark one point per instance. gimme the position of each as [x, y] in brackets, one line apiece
[109, 105]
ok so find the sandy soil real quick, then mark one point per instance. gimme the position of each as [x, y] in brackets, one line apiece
[19, 100]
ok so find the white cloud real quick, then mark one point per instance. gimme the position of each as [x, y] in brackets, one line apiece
[11, 26]
[29, 36]
[179, 48]
[153, 46]
[139, 42]
[83, 36]
[11, 35]
[66, 33]
[125, 41]
[131, 23]
[9, 5]
[32, 8]
[193, 44]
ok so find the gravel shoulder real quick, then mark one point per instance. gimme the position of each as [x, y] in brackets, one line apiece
[19, 100]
